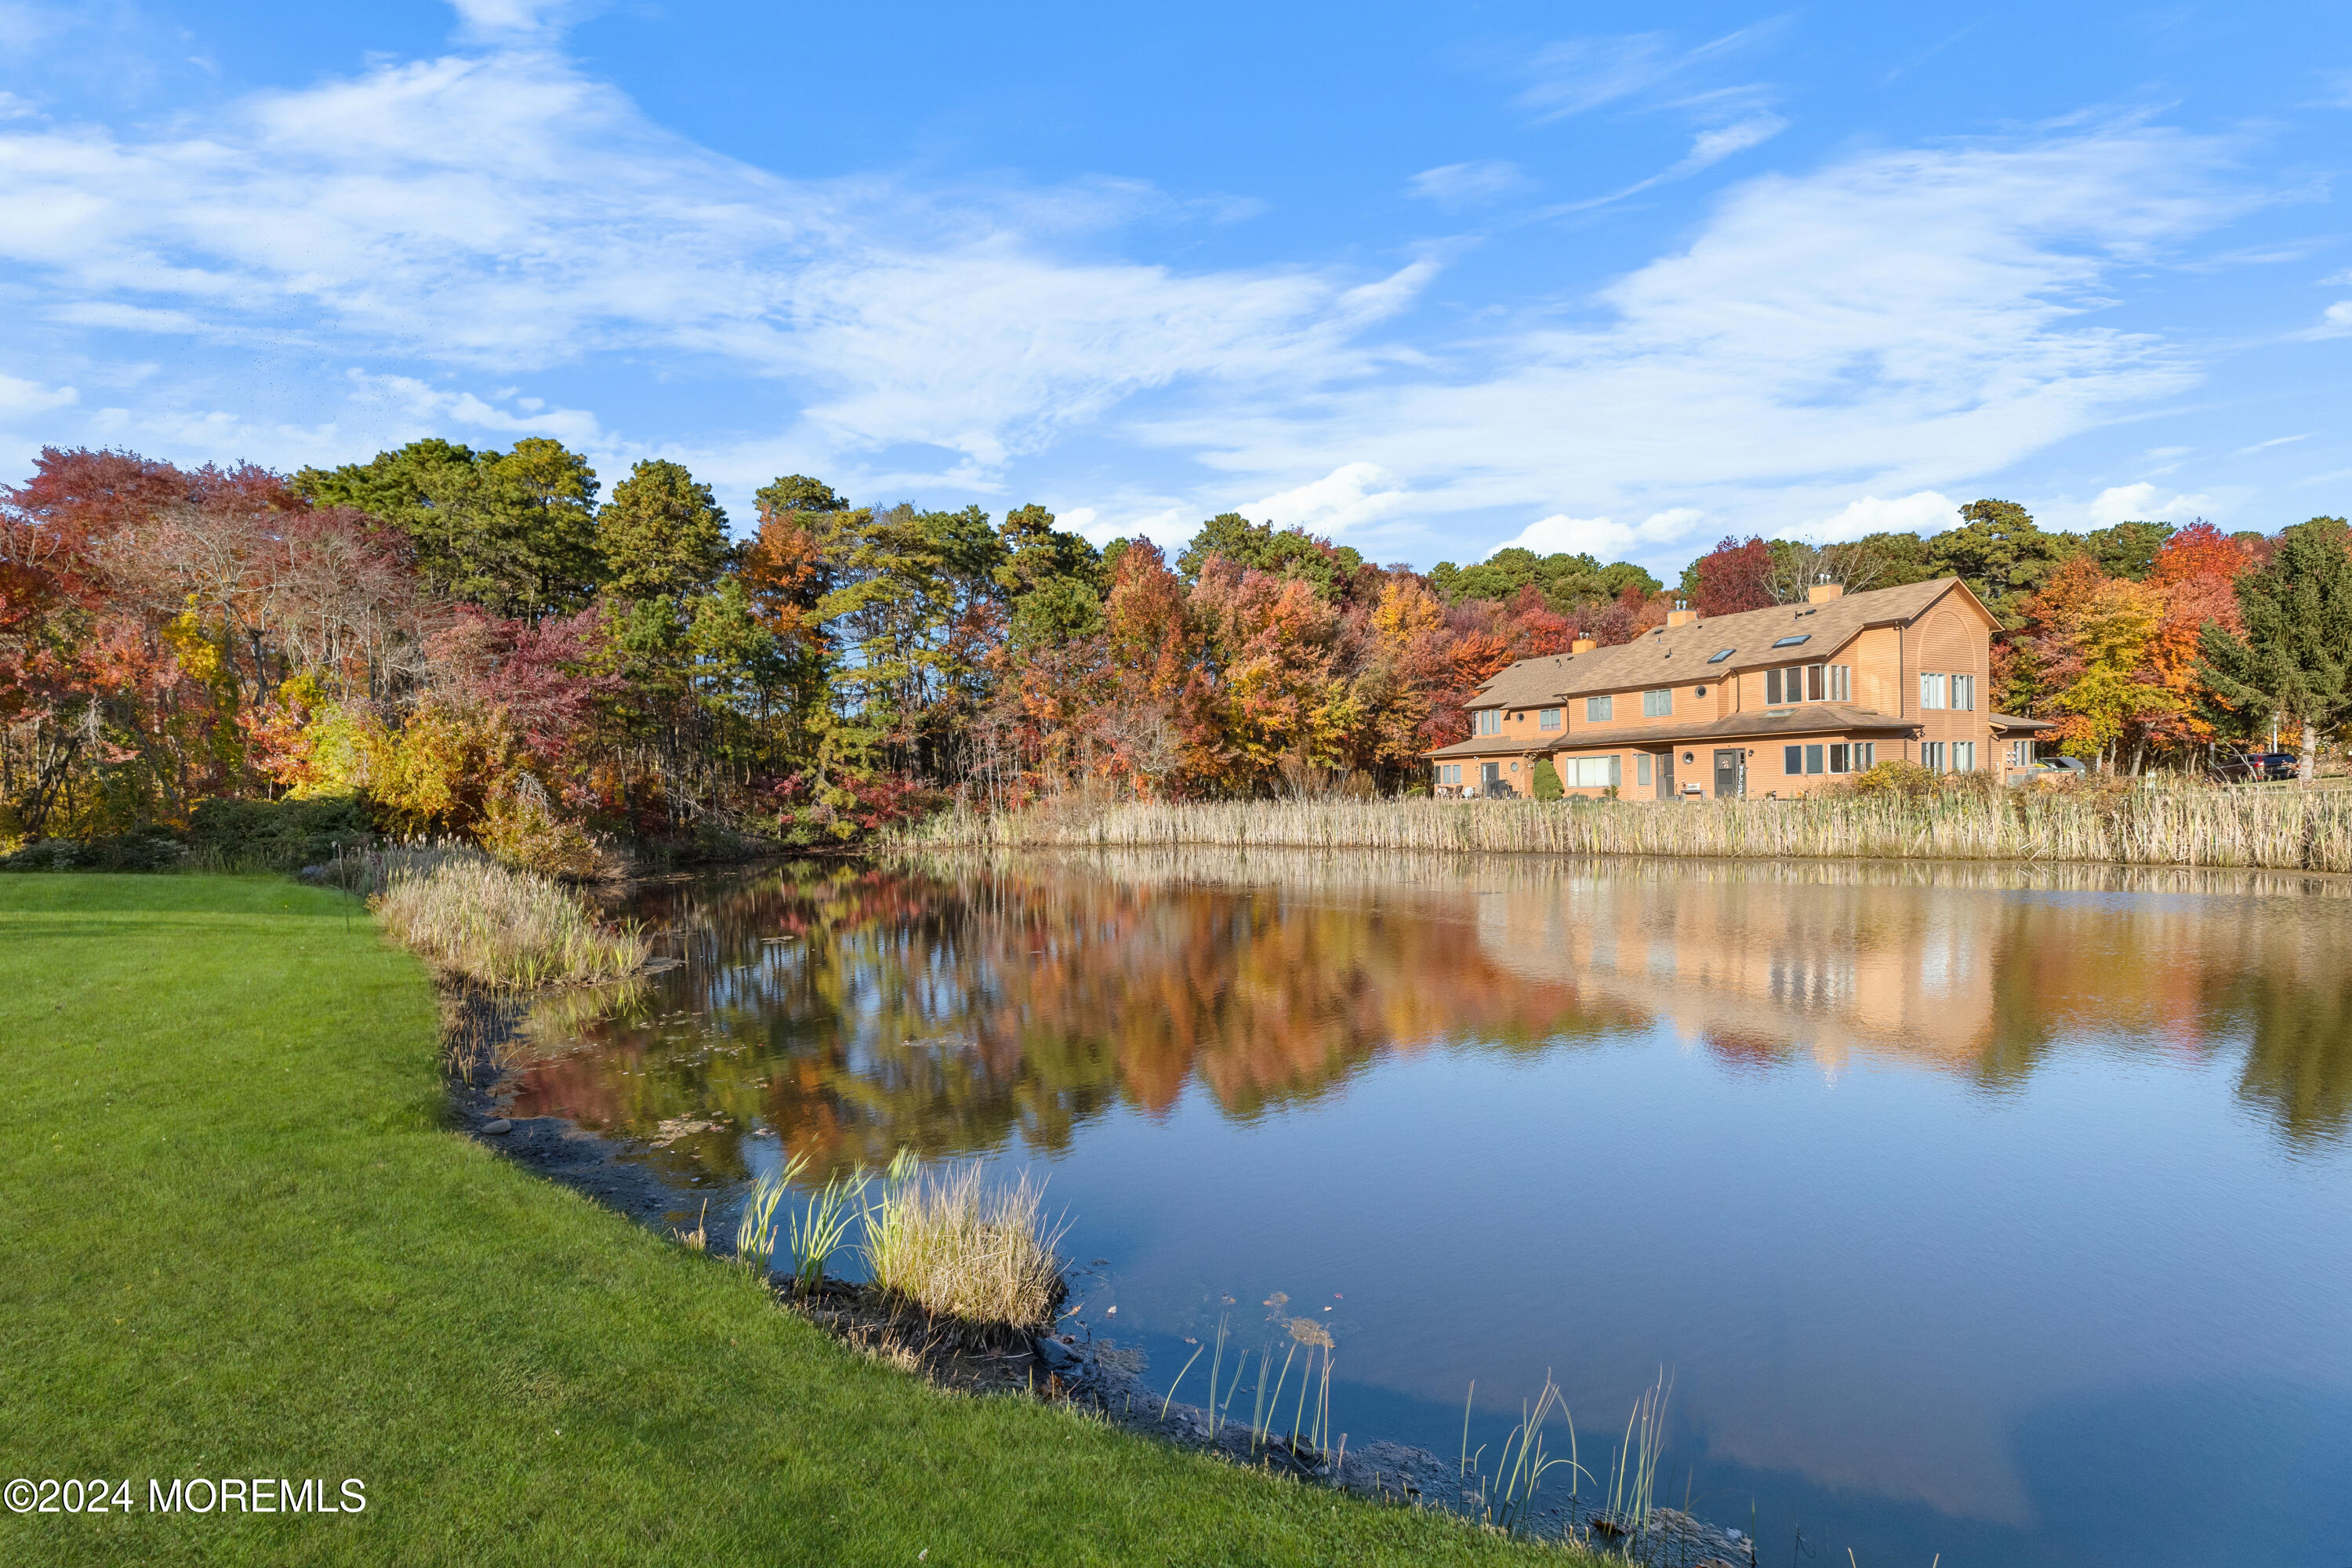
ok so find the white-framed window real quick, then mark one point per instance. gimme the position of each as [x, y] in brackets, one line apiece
[1839, 755]
[2021, 753]
[1931, 754]
[1598, 709]
[1934, 689]
[1490, 721]
[1642, 770]
[1840, 683]
[1547, 718]
[1964, 756]
[1449, 772]
[1964, 692]
[1590, 773]
[1658, 703]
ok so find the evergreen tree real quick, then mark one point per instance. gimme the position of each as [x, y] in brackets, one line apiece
[662, 534]
[2296, 658]
[2001, 555]
[514, 533]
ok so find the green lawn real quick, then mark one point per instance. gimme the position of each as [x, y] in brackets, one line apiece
[236, 1241]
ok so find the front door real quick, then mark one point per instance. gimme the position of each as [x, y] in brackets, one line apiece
[1489, 775]
[1666, 775]
[1730, 773]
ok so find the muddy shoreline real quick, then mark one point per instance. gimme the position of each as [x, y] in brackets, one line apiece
[1077, 1368]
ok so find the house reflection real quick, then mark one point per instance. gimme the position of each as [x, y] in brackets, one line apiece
[852, 1012]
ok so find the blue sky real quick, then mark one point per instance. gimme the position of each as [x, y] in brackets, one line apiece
[1431, 279]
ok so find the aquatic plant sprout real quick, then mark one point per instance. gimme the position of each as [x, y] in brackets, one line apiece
[816, 1231]
[755, 1233]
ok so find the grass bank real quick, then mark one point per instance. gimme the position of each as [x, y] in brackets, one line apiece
[2149, 825]
[240, 1243]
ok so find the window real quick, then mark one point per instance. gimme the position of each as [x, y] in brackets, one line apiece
[1450, 774]
[1866, 754]
[1588, 772]
[1813, 683]
[1771, 689]
[1596, 709]
[1794, 641]
[1840, 683]
[1838, 759]
[1964, 691]
[1792, 759]
[1547, 718]
[1964, 756]
[1931, 753]
[1719, 656]
[2021, 753]
[1642, 770]
[1932, 689]
[1490, 721]
[1658, 704]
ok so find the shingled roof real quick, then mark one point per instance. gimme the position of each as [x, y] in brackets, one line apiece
[1681, 653]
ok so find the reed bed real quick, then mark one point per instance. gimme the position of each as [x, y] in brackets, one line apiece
[965, 1250]
[2149, 824]
[468, 915]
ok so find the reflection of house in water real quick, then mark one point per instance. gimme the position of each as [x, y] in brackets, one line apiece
[1758, 969]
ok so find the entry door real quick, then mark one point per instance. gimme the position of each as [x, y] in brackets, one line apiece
[1666, 775]
[1730, 773]
[1489, 775]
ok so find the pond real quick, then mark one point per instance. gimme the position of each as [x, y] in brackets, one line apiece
[1998, 1214]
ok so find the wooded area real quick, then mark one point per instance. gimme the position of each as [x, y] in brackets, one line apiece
[475, 645]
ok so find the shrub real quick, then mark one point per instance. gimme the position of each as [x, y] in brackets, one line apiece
[468, 915]
[1547, 780]
[276, 834]
[978, 1255]
[1896, 775]
[519, 828]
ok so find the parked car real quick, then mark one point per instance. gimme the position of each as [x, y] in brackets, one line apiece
[2253, 767]
[2049, 770]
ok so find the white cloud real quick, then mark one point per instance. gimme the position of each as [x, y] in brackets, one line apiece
[1456, 185]
[2335, 320]
[1897, 322]
[1925, 511]
[19, 396]
[2138, 503]
[2337, 279]
[512, 18]
[1709, 147]
[1581, 74]
[2273, 441]
[1350, 495]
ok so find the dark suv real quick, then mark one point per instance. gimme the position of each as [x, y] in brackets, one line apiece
[2255, 767]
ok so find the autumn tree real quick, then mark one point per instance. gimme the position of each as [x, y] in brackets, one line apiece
[1261, 547]
[1732, 577]
[2295, 657]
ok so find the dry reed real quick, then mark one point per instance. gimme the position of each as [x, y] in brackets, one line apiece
[2148, 826]
[961, 1249]
[468, 915]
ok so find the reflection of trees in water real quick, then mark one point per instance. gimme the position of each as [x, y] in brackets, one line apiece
[855, 1011]
[947, 1012]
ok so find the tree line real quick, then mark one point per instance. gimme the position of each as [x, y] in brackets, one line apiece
[485, 643]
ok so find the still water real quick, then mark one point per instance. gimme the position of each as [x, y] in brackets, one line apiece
[2000, 1215]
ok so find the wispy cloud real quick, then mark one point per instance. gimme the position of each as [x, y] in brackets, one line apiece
[2273, 441]
[1576, 76]
[1456, 185]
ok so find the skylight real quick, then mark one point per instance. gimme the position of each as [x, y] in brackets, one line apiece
[1719, 657]
[1791, 642]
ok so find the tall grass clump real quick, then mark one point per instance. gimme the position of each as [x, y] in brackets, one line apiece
[1966, 819]
[817, 1231]
[962, 1249]
[468, 915]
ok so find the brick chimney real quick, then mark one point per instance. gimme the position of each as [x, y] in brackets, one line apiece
[1582, 645]
[1823, 593]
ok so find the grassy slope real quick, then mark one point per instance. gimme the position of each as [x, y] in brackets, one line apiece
[237, 1242]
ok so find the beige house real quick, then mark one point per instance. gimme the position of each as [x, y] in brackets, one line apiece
[1766, 703]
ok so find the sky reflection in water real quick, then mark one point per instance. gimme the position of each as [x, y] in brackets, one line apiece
[1975, 1211]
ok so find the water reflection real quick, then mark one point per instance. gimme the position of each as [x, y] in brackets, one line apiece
[1945, 1191]
[855, 1010]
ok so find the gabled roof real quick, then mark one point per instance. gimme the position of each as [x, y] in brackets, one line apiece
[1681, 653]
[1805, 719]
